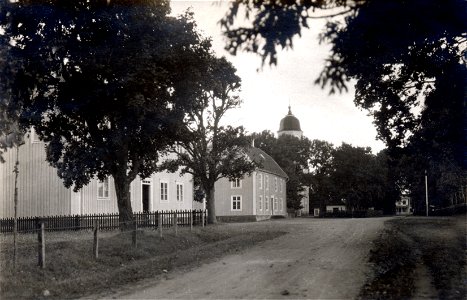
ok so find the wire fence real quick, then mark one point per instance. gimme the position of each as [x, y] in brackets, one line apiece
[111, 221]
[162, 221]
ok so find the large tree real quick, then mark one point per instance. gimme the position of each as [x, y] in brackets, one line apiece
[353, 175]
[359, 177]
[207, 149]
[321, 186]
[105, 84]
[407, 59]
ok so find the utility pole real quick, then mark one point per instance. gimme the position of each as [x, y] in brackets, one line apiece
[426, 193]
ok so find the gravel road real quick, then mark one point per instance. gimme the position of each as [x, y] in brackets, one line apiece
[316, 259]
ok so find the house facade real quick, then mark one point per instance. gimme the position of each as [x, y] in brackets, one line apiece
[403, 206]
[41, 191]
[259, 196]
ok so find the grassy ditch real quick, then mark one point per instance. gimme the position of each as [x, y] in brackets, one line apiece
[72, 272]
[439, 243]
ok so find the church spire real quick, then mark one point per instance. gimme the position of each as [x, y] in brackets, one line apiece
[290, 110]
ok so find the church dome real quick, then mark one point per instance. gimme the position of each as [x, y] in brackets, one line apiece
[289, 123]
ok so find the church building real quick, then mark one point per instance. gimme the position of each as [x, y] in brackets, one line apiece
[290, 125]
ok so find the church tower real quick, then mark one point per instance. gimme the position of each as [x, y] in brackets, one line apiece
[290, 125]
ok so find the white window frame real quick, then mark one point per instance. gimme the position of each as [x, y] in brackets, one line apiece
[238, 200]
[103, 184]
[167, 191]
[274, 203]
[180, 196]
[260, 181]
[281, 204]
[275, 184]
[236, 183]
[33, 136]
[266, 182]
[260, 203]
[266, 203]
[280, 185]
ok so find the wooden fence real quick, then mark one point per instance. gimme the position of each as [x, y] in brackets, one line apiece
[106, 221]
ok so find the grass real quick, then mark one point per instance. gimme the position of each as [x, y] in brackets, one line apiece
[72, 272]
[437, 242]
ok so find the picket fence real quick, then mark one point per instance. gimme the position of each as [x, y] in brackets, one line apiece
[106, 221]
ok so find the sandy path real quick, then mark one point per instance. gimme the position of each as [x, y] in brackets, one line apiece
[318, 259]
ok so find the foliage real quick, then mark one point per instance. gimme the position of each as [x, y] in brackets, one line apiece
[275, 23]
[208, 150]
[351, 176]
[357, 177]
[292, 155]
[105, 84]
[408, 61]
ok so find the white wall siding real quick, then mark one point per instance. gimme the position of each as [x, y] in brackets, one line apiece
[40, 191]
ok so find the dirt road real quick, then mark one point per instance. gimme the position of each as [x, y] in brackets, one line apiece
[317, 259]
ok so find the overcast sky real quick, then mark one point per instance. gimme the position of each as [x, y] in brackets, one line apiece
[266, 92]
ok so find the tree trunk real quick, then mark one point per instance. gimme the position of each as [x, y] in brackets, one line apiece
[15, 221]
[211, 205]
[122, 189]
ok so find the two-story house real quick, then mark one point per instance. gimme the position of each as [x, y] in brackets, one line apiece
[258, 196]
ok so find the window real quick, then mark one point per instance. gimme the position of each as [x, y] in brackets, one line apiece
[266, 203]
[34, 138]
[180, 192]
[281, 204]
[260, 178]
[280, 185]
[236, 183]
[266, 182]
[274, 201]
[237, 203]
[179, 149]
[103, 189]
[275, 184]
[260, 203]
[164, 191]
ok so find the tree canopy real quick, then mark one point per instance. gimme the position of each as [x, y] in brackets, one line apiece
[351, 176]
[407, 59]
[207, 149]
[106, 84]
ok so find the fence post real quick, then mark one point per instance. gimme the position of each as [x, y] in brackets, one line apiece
[41, 245]
[202, 217]
[96, 240]
[159, 224]
[175, 223]
[135, 229]
[191, 220]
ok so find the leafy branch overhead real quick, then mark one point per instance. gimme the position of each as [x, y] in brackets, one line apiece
[406, 59]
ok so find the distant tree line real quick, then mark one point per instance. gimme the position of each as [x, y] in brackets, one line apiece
[351, 175]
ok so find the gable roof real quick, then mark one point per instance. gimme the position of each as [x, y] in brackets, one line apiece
[268, 164]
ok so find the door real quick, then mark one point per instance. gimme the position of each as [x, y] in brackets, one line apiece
[146, 196]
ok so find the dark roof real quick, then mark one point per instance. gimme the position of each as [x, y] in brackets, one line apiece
[268, 164]
[290, 122]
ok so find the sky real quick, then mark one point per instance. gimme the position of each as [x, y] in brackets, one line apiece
[268, 90]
